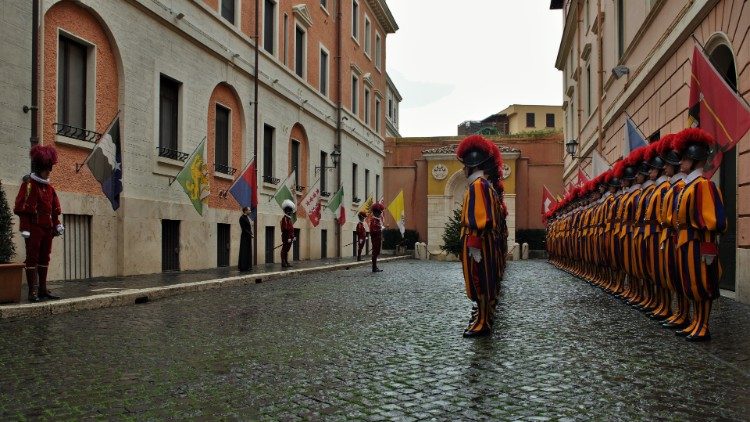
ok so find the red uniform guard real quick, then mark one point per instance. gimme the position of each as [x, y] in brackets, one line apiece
[376, 234]
[38, 209]
[287, 231]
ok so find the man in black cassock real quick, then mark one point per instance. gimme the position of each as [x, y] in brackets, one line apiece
[246, 241]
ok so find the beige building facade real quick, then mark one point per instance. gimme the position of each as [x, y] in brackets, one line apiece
[633, 58]
[524, 118]
[179, 72]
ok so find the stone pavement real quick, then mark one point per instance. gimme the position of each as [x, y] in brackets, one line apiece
[356, 345]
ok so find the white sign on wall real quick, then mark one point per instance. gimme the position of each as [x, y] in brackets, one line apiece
[440, 172]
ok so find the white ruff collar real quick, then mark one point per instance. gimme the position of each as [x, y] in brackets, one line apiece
[476, 175]
[39, 179]
[693, 175]
[677, 177]
[648, 183]
[661, 180]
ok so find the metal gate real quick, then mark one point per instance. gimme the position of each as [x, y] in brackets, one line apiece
[77, 246]
[295, 246]
[170, 245]
[269, 244]
[728, 244]
[223, 242]
[324, 244]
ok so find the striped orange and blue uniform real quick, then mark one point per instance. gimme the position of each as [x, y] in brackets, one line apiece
[625, 216]
[652, 231]
[479, 221]
[645, 264]
[700, 218]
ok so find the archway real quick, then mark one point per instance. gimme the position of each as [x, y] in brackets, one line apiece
[720, 53]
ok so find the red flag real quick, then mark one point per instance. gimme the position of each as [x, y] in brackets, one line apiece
[548, 200]
[582, 177]
[716, 108]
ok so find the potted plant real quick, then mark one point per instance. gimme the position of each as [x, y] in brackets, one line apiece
[11, 274]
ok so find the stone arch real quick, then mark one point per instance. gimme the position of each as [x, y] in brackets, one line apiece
[225, 95]
[720, 51]
[455, 188]
[85, 26]
[299, 134]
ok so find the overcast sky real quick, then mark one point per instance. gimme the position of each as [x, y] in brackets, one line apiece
[456, 60]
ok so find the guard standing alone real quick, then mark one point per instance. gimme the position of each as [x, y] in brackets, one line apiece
[287, 231]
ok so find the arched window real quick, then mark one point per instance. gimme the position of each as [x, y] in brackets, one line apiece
[299, 154]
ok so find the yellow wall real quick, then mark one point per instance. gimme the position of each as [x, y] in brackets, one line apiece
[437, 187]
[517, 117]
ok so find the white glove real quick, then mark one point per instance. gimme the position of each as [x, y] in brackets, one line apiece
[25, 234]
[476, 254]
[60, 229]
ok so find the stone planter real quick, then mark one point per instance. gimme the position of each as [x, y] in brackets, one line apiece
[10, 282]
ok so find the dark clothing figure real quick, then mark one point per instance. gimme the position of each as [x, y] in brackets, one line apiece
[246, 244]
[361, 238]
[287, 238]
[376, 235]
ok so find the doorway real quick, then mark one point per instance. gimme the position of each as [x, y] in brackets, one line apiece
[170, 245]
[222, 245]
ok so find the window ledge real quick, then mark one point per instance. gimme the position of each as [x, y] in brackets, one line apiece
[170, 162]
[267, 185]
[223, 176]
[325, 10]
[64, 140]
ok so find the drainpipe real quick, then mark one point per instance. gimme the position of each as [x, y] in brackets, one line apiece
[600, 87]
[255, 122]
[339, 14]
[34, 139]
[577, 57]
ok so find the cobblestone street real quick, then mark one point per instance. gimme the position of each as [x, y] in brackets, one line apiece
[351, 345]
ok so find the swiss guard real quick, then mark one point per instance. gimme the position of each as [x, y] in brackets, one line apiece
[376, 234]
[38, 209]
[479, 231]
[287, 231]
[660, 226]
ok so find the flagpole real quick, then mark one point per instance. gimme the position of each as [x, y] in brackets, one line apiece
[106, 131]
[241, 173]
[282, 184]
[187, 160]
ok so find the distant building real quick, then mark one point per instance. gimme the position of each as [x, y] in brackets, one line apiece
[515, 119]
[393, 101]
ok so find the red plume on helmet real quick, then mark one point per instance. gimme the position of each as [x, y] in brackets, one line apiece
[618, 169]
[650, 151]
[608, 175]
[377, 207]
[43, 157]
[692, 136]
[665, 144]
[472, 142]
[635, 157]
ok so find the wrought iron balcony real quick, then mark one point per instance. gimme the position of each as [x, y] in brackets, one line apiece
[325, 194]
[300, 188]
[272, 180]
[356, 200]
[76, 133]
[223, 168]
[172, 154]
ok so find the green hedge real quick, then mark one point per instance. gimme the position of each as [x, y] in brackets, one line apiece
[534, 237]
[392, 237]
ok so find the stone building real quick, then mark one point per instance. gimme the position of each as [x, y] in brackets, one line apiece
[393, 103]
[432, 179]
[514, 119]
[179, 71]
[622, 58]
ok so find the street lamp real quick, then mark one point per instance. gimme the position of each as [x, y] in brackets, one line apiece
[570, 147]
[335, 155]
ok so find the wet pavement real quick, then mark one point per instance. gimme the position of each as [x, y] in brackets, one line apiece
[356, 345]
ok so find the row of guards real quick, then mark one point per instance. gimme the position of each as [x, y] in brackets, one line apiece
[647, 230]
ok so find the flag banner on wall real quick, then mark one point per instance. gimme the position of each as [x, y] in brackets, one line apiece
[245, 189]
[716, 108]
[396, 208]
[194, 177]
[336, 206]
[598, 164]
[311, 204]
[105, 163]
[582, 177]
[286, 191]
[634, 139]
[365, 208]
[548, 200]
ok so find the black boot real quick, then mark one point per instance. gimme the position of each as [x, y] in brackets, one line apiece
[31, 280]
[44, 294]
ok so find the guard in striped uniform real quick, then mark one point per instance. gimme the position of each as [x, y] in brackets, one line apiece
[700, 219]
[480, 223]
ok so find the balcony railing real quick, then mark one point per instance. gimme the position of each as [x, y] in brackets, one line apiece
[172, 154]
[325, 194]
[272, 180]
[76, 133]
[223, 168]
[356, 200]
[300, 188]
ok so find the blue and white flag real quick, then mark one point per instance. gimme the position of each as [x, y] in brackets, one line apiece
[634, 139]
[105, 163]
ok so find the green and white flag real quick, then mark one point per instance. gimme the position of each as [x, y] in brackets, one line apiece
[286, 191]
[194, 177]
[336, 206]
